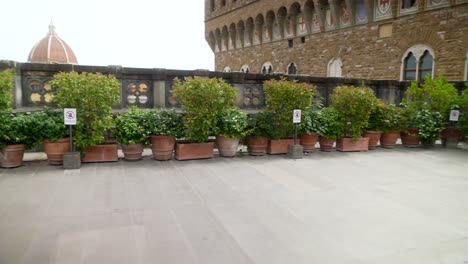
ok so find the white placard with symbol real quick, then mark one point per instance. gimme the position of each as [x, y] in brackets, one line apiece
[454, 114]
[297, 116]
[69, 115]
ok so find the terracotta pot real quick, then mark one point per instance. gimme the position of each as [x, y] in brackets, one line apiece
[162, 147]
[11, 156]
[451, 136]
[374, 137]
[55, 150]
[348, 144]
[326, 144]
[227, 147]
[308, 141]
[191, 151]
[280, 146]
[132, 152]
[257, 145]
[101, 153]
[410, 139]
[389, 138]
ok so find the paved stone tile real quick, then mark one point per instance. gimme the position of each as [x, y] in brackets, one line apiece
[383, 206]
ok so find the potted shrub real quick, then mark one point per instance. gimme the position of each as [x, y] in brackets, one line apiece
[93, 96]
[281, 98]
[6, 89]
[260, 127]
[231, 126]
[164, 126]
[409, 131]
[331, 126]
[356, 104]
[18, 132]
[54, 133]
[430, 123]
[202, 100]
[435, 95]
[131, 133]
[392, 123]
[308, 129]
[374, 127]
[462, 123]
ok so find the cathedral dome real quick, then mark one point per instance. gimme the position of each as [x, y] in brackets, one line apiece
[52, 49]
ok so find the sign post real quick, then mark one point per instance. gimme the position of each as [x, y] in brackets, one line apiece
[69, 117]
[297, 114]
[296, 151]
[451, 141]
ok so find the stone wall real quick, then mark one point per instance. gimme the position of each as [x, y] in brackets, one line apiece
[151, 88]
[371, 50]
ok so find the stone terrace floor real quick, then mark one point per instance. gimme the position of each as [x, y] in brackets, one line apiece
[383, 206]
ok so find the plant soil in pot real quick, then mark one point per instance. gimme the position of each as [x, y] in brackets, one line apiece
[326, 144]
[374, 137]
[191, 151]
[257, 145]
[227, 147]
[11, 156]
[56, 149]
[410, 138]
[132, 152]
[348, 144]
[162, 147]
[389, 138]
[309, 141]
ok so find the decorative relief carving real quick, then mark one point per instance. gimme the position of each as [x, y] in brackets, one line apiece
[37, 91]
[138, 93]
[253, 96]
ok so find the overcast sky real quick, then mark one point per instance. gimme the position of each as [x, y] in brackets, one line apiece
[137, 33]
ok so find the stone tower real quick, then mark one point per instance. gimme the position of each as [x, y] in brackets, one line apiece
[370, 39]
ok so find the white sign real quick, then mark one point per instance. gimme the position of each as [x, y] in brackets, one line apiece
[454, 114]
[297, 116]
[69, 116]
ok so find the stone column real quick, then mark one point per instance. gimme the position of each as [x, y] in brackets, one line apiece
[351, 7]
[320, 14]
[240, 37]
[335, 12]
[370, 9]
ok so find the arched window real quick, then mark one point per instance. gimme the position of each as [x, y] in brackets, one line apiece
[227, 69]
[425, 65]
[245, 68]
[292, 69]
[267, 68]
[335, 68]
[410, 67]
[417, 62]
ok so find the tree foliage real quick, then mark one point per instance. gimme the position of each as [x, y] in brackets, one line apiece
[281, 98]
[356, 104]
[93, 95]
[202, 100]
[6, 89]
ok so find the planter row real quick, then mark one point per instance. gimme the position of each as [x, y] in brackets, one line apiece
[165, 148]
